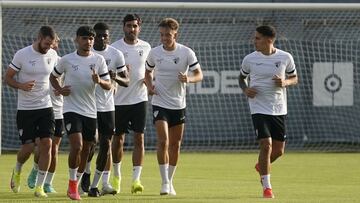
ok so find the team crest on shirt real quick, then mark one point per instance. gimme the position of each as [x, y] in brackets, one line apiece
[141, 52]
[92, 66]
[108, 61]
[126, 54]
[75, 67]
[176, 60]
[48, 61]
[32, 62]
[277, 64]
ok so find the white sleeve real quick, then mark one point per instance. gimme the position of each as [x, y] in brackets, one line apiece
[59, 68]
[245, 68]
[16, 62]
[120, 62]
[290, 67]
[103, 71]
[192, 61]
[150, 64]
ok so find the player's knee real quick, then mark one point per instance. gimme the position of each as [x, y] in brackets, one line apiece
[104, 146]
[45, 145]
[265, 146]
[278, 152]
[121, 140]
[163, 144]
[77, 148]
[175, 145]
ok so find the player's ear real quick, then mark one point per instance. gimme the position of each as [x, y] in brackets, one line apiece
[272, 40]
[76, 39]
[176, 35]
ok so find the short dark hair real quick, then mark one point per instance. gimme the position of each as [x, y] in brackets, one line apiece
[85, 31]
[47, 31]
[131, 17]
[101, 26]
[267, 31]
[170, 23]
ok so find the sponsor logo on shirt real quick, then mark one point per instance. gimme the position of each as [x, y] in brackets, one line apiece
[277, 64]
[32, 62]
[92, 66]
[75, 67]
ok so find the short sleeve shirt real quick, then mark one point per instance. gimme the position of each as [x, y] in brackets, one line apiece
[77, 72]
[167, 65]
[270, 99]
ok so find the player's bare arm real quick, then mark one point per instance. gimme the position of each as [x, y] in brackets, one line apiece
[284, 82]
[249, 92]
[9, 79]
[65, 91]
[122, 78]
[148, 82]
[196, 77]
[105, 84]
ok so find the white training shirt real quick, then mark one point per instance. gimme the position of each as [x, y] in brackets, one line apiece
[170, 91]
[115, 61]
[57, 101]
[78, 75]
[135, 56]
[32, 65]
[269, 100]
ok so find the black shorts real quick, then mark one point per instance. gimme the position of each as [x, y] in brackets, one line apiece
[59, 128]
[76, 123]
[270, 126]
[130, 117]
[106, 123]
[35, 123]
[172, 116]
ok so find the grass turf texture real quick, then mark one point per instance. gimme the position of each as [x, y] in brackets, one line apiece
[215, 177]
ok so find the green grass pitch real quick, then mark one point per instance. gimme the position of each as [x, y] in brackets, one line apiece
[217, 177]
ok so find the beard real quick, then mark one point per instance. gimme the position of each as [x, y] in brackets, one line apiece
[130, 36]
[42, 50]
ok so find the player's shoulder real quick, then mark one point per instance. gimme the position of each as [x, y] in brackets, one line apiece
[69, 56]
[25, 50]
[97, 56]
[117, 43]
[114, 52]
[52, 53]
[157, 48]
[252, 55]
[283, 53]
[183, 47]
[112, 49]
[144, 43]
